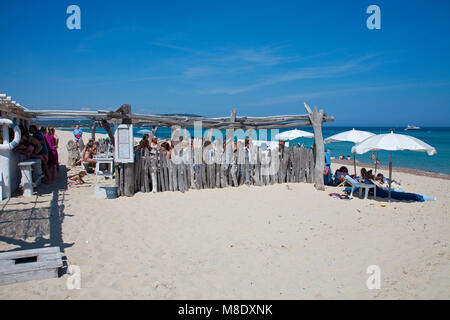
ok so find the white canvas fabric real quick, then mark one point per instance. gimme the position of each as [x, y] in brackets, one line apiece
[293, 134]
[354, 136]
[393, 142]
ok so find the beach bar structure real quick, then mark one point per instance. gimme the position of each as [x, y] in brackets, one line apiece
[205, 163]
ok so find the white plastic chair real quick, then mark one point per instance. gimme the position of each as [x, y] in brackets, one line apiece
[355, 184]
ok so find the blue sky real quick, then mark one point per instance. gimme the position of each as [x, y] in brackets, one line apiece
[207, 57]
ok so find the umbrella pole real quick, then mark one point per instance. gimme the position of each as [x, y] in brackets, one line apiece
[376, 164]
[354, 162]
[390, 177]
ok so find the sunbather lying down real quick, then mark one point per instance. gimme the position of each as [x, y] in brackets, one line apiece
[76, 179]
[397, 195]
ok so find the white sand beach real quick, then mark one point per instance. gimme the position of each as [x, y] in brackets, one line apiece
[285, 241]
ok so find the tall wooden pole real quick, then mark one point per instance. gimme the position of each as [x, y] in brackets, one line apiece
[175, 135]
[230, 140]
[316, 118]
[128, 168]
[93, 130]
[107, 127]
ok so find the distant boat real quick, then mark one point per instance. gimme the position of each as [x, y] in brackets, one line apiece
[410, 127]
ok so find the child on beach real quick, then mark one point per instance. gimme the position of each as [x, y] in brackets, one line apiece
[76, 179]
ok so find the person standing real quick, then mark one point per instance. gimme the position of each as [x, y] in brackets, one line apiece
[43, 154]
[52, 143]
[77, 133]
[327, 175]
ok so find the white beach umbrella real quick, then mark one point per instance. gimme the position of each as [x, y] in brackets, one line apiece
[293, 134]
[393, 142]
[355, 136]
[144, 131]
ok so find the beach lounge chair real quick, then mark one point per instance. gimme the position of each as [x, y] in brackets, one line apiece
[355, 184]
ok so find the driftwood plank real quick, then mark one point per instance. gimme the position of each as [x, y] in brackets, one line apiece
[170, 167]
[129, 179]
[190, 163]
[45, 265]
[162, 171]
[154, 172]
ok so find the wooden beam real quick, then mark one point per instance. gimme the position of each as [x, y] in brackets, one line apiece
[94, 126]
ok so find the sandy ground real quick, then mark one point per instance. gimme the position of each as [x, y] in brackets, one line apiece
[276, 242]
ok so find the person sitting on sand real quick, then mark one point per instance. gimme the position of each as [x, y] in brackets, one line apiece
[76, 179]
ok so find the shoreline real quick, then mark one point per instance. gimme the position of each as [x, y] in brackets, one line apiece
[417, 172]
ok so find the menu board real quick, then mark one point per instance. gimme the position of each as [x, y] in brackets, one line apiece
[124, 143]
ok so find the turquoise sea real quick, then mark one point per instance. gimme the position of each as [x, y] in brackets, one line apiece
[438, 137]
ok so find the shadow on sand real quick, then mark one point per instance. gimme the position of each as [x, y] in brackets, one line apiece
[40, 220]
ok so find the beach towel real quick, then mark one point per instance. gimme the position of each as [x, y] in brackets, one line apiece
[339, 196]
[403, 196]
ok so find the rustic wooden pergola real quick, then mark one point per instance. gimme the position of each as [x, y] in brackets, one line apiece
[123, 115]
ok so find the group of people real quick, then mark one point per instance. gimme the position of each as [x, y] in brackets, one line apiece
[380, 180]
[40, 144]
[88, 153]
[152, 145]
[339, 175]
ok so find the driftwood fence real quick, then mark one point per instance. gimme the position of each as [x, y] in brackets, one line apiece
[104, 146]
[207, 167]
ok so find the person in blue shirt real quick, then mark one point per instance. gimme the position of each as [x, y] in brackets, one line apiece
[77, 133]
[327, 175]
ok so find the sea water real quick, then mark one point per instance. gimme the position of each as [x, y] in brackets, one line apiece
[438, 137]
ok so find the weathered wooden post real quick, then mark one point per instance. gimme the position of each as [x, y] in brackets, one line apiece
[175, 135]
[107, 127]
[316, 118]
[127, 179]
[94, 125]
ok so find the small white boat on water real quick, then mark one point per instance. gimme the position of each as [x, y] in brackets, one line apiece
[410, 127]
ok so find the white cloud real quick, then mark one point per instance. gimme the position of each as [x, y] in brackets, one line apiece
[346, 68]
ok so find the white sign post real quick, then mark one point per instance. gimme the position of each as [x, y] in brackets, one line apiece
[124, 143]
